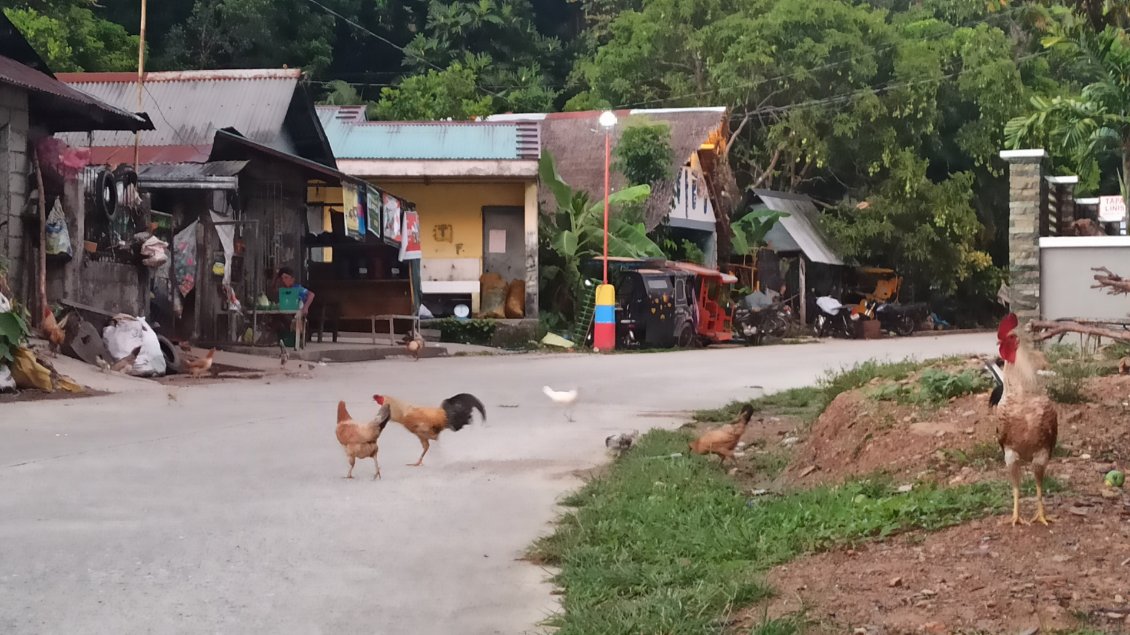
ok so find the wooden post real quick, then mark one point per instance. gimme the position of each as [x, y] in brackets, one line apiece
[140, 84]
[803, 310]
[42, 273]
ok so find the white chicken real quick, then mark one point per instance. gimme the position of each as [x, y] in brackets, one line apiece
[566, 399]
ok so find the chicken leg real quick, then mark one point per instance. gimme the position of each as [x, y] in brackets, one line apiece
[1014, 477]
[351, 462]
[378, 466]
[1038, 472]
[423, 442]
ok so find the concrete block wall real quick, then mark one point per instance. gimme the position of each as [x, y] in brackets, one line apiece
[13, 186]
[1026, 197]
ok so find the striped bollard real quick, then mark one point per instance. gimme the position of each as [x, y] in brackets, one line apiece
[604, 319]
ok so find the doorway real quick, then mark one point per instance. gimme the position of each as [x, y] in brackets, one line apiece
[504, 244]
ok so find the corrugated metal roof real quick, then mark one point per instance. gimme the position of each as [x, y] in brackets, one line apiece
[188, 107]
[353, 138]
[84, 110]
[189, 171]
[800, 229]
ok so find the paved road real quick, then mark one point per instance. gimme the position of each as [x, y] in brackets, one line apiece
[225, 510]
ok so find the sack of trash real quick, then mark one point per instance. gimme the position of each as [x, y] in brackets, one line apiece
[124, 333]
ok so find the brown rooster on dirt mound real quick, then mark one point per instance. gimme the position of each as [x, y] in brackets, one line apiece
[1027, 421]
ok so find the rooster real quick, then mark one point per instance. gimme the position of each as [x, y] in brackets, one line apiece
[565, 398]
[724, 439]
[198, 367]
[1027, 422]
[53, 331]
[359, 440]
[618, 444]
[125, 363]
[426, 422]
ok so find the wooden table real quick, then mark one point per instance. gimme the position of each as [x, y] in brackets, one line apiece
[415, 319]
[299, 324]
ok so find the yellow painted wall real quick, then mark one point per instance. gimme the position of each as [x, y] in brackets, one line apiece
[451, 214]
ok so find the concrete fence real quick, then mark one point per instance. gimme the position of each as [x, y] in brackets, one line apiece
[1066, 277]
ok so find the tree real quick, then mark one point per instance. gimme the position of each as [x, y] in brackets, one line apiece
[643, 154]
[70, 37]
[450, 93]
[251, 34]
[1095, 122]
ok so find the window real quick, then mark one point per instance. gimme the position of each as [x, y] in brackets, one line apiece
[680, 291]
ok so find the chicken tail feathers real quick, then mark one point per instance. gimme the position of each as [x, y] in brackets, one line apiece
[746, 413]
[342, 413]
[460, 408]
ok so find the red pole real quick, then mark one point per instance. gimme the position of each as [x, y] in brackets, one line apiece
[607, 159]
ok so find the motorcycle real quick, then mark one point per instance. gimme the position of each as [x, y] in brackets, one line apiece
[900, 319]
[754, 325]
[834, 318]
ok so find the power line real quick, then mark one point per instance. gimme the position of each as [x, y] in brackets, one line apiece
[825, 66]
[392, 44]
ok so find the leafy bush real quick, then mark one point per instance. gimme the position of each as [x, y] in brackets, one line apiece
[13, 331]
[478, 332]
[938, 385]
[1067, 384]
[644, 153]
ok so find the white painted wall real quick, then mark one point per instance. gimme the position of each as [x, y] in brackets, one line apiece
[1066, 277]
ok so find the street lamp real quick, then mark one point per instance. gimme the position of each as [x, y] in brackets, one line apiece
[604, 318]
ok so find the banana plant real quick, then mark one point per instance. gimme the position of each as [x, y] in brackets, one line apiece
[574, 233]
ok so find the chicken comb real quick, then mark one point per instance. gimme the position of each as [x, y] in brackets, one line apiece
[1007, 326]
[379, 399]
[1008, 347]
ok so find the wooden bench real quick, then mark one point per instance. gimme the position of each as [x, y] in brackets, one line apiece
[358, 305]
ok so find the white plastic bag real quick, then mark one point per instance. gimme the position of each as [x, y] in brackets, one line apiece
[58, 238]
[125, 333]
[155, 252]
[5, 304]
[7, 382]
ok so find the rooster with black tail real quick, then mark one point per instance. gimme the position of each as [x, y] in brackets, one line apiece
[426, 422]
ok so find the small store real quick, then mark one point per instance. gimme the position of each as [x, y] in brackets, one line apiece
[363, 253]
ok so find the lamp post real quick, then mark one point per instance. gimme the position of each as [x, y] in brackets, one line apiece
[604, 317]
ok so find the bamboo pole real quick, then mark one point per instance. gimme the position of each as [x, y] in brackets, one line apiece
[42, 265]
[140, 83]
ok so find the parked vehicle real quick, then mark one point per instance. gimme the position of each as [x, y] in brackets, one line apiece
[713, 320]
[834, 318]
[900, 319]
[760, 315]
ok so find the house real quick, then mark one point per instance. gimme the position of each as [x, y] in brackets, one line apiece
[799, 256]
[474, 185]
[229, 169]
[34, 105]
[688, 203]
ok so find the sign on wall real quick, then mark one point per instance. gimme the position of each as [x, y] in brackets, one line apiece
[1112, 209]
[351, 205]
[410, 247]
[373, 211]
[390, 219]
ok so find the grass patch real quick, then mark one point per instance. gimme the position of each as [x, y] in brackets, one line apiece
[670, 545]
[807, 403]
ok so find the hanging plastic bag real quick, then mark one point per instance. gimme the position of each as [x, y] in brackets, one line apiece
[58, 238]
[184, 259]
[155, 252]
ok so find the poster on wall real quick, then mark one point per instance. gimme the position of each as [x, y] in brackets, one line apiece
[351, 206]
[410, 246]
[373, 211]
[390, 217]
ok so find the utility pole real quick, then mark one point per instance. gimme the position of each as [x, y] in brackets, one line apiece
[140, 84]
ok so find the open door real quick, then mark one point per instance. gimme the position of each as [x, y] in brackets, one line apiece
[504, 243]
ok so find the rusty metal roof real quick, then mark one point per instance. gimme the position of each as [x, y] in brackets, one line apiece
[268, 106]
[189, 171]
[59, 107]
[188, 107]
[800, 230]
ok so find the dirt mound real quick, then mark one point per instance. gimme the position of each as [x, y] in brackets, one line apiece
[982, 576]
[857, 435]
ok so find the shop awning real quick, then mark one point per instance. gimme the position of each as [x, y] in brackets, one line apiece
[799, 231]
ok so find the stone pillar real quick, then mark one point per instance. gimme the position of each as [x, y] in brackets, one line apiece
[1062, 203]
[1026, 198]
[531, 242]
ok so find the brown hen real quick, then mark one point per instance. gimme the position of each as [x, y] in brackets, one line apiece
[722, 440]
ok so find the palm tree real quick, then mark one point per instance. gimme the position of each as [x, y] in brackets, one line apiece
[1096, 121]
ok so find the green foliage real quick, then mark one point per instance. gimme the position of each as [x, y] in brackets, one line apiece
[13, 333]
[1067, 386]
[934, 386]
[668, 544]
[750, 230]
[574, 233]
[479, 332]
[250, 34]
[70, 37]
[435, 95]
[643, 154]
